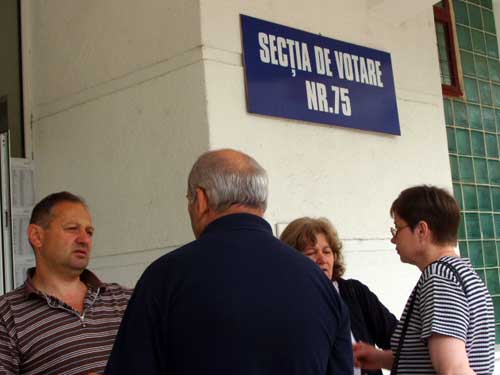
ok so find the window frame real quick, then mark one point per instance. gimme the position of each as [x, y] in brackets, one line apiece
[444, 16]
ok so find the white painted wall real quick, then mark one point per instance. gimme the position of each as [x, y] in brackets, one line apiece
[82, 44]
[118, 100]
[349, 176]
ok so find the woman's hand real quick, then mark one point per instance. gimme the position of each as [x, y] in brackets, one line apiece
[368, 357]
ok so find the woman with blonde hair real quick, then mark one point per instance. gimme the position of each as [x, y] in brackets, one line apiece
[371, 321]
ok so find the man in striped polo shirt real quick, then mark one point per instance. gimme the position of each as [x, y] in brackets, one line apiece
[63, 319]
[448, 325]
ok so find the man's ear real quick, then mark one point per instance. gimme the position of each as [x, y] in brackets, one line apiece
[201, 201]
[35, 235]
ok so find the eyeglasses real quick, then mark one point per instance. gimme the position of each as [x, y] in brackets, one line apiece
[395, 231]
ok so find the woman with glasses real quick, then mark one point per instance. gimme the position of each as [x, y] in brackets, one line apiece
[447, 326]
[371, 322]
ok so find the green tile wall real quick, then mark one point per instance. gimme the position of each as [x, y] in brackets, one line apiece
[473, 133]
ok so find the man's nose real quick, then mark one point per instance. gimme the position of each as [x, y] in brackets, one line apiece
[84, 237]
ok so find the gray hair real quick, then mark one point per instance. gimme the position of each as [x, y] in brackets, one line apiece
[229, 177]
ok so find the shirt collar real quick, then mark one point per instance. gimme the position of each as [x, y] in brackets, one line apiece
[237, 221]
[87, 277]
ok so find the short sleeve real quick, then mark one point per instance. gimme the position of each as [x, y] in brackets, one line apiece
[9, 355]
[443, 308]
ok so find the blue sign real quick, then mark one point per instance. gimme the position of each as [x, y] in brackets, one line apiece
[302, 76]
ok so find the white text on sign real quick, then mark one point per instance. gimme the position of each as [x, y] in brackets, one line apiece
[317, 98]
[295, 55]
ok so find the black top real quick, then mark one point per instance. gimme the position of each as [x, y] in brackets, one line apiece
[235, 301]
[371, 321]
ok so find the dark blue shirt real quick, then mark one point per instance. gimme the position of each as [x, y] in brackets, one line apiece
[235, 301]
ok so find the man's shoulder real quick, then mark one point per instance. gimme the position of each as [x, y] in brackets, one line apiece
[167, 263]
[14, 298]
[178, 254]
[117, 288]
[185, 252]
[116, 291]
[15, 293]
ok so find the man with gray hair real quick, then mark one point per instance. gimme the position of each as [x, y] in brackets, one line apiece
[236, 300]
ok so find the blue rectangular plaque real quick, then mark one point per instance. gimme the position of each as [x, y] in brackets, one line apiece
[303, 76]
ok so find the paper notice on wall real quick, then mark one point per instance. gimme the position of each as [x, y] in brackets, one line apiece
[23, 200]
[20, 222]
[23, 187]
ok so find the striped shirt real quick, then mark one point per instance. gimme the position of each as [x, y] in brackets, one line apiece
[40, 334]
[441, 306]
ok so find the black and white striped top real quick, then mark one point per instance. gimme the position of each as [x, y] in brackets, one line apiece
[441, 306]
